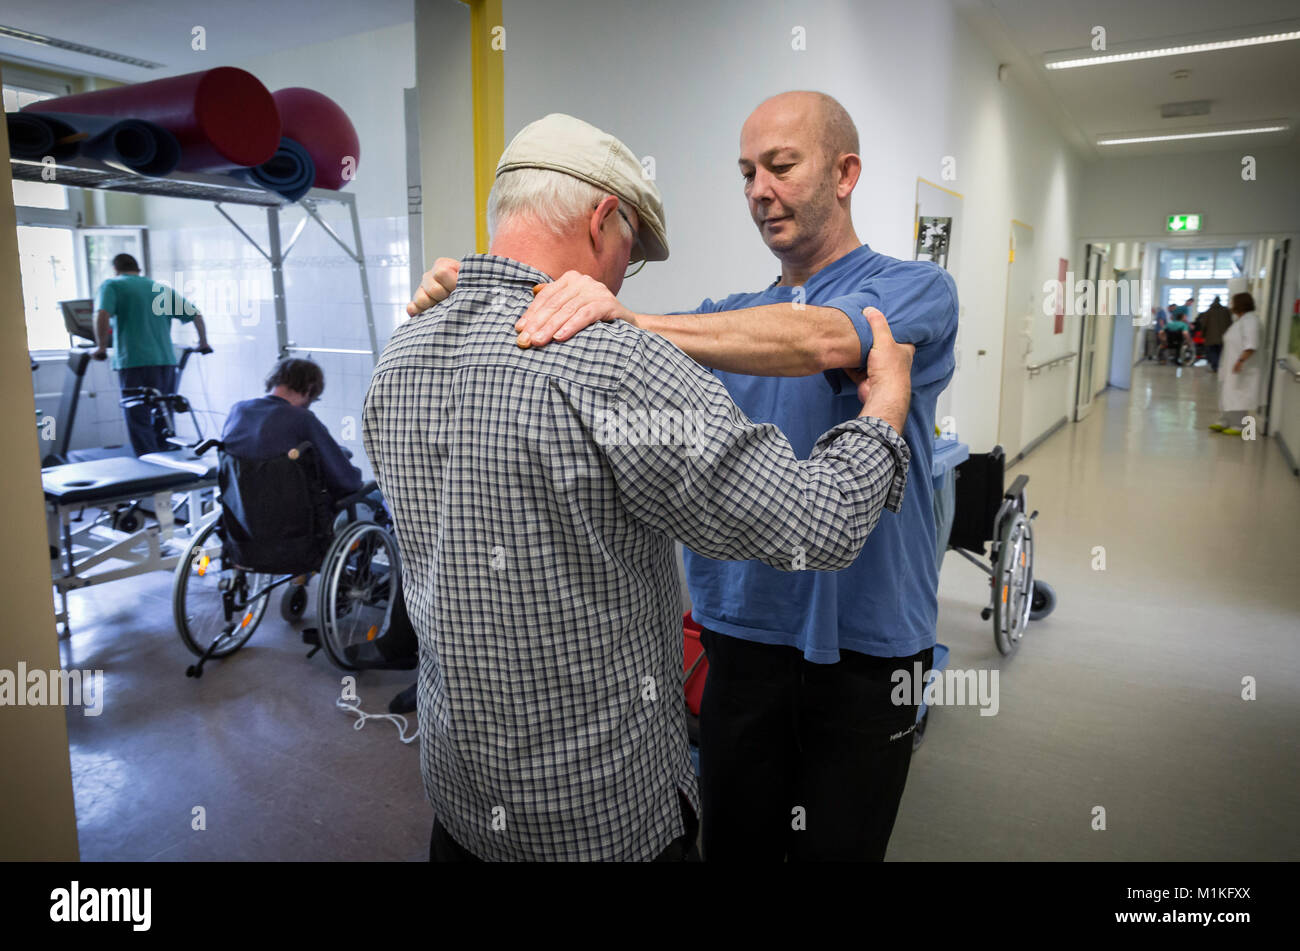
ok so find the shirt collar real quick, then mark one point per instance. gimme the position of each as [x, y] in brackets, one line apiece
[478, 270]
[861, 256]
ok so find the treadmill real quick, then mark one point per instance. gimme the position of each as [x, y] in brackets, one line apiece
[79, 319]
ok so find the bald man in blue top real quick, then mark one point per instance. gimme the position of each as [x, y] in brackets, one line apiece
[803, 752]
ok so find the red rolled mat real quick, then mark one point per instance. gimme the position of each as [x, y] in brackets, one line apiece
[319, 124]
[223, 118]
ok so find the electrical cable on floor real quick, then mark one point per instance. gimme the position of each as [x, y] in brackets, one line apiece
[397, 718]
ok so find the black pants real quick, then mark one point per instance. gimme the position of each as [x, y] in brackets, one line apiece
[443, 848]
[787, 743]
[399, 642]
[1212, 353]
[144, 428]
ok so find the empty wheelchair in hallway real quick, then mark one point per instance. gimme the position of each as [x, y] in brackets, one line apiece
[277, 527]
[989, 514]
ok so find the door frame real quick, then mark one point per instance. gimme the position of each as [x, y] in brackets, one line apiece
[1094, 257]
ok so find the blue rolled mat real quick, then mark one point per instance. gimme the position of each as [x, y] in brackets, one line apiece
[33, 137]
[290, 172]
[133, 145]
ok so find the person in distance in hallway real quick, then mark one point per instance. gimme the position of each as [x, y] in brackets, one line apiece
[1217, 320]
[1239, 383]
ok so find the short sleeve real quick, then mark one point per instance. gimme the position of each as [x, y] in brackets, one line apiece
[1250, 333]
[107, 297]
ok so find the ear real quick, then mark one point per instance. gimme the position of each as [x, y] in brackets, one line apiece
[608, 206]
[848, 168]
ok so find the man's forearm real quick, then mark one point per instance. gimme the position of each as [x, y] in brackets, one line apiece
[773, 340]
[101, 329]
[201, 329]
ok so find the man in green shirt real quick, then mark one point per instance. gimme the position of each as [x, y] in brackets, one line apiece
[141, 312]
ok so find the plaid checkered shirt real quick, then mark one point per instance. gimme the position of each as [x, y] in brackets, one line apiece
[536, 495]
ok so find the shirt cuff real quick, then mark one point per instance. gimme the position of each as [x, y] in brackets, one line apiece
[883, 433]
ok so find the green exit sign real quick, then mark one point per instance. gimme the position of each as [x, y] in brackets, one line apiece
[1183, 223]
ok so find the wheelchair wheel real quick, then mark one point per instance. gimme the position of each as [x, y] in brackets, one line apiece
[1013, 581]
[200, 607]
[1187, 355]
[1044, 601]
[293, 603]
[357, 585]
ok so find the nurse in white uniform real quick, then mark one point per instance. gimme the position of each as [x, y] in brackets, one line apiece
[1239, 367]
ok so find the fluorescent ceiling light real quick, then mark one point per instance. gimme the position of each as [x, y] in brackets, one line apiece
[1170, 137]
[42, 40]
[1205, 47]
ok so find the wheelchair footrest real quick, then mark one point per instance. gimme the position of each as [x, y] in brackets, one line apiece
[311, 635]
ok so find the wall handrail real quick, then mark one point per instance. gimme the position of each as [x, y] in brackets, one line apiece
[1036, 368]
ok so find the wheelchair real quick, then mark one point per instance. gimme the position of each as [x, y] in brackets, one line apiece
[1181, 351]
[275, 528]
[986, 513]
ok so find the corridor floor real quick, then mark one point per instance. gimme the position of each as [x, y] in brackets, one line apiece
[1129, 697]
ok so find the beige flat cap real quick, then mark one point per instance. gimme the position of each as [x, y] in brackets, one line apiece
[562, 143]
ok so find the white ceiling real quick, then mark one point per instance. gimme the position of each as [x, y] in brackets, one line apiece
[160, 30]
[1243, 85]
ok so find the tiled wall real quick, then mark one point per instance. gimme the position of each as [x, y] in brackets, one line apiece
[323, 304]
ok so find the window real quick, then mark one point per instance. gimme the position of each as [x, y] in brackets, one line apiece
[1174, 296]
[1205, 295]
[47, 259]
[1201, 263]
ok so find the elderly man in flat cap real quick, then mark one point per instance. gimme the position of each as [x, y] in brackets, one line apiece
[537, 493]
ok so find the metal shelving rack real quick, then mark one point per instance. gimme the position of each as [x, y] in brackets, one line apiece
[220, 190]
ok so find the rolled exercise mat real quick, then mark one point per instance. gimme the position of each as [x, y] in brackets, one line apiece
[223, 118]
[290, 171]
[34, 137]
[320, 126]
[129, 144]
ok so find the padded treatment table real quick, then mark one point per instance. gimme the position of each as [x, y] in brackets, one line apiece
[78, 552]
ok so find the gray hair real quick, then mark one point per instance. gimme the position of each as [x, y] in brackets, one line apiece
[550, 199]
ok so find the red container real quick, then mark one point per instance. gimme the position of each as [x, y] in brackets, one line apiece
[695, 664]
[223, 118]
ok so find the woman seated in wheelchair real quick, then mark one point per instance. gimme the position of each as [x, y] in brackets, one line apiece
[272, 425]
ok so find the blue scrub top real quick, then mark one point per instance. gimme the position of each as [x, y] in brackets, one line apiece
[886, 603]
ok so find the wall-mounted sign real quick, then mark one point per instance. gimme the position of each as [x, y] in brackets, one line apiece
[1183, 223]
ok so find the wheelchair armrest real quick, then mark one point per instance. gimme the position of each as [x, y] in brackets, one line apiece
[1017, 488]
[358, 496]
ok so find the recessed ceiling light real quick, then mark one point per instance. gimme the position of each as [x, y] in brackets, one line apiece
[1170, 137]
[42, 40]
[1070, 61]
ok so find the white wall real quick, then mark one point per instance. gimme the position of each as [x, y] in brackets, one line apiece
[675, 80]
[1129, 198]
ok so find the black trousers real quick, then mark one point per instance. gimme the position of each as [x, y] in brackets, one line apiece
[142, 426]
[443, 848]
[801, 761]
[1212, 353]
